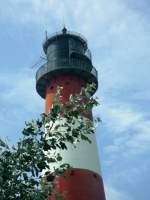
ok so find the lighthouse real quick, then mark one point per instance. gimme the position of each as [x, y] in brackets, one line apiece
[69, 64]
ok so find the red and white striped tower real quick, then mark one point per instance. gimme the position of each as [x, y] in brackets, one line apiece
[69, 65]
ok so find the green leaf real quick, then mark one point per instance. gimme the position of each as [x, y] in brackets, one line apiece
[59, 158]
[75, 133]
[3, 144]
[25, 176]
[83, 137]
[50, 177]
[63, 145]
[70, 138]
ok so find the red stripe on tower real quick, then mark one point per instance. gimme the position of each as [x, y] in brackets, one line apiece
[69, 65]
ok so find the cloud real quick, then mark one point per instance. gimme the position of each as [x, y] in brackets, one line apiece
[125, 135]
[130, 129]
[19, 89]
[19, 102]
[30, 12]
[113, 194]
[140, 6]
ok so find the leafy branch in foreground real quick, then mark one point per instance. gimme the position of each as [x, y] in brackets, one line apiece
[22, 165]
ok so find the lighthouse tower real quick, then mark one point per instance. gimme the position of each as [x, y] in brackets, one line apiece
[69, 65]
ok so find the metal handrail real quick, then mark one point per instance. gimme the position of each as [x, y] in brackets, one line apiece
[67, 33]
[88, 54]
[65, 63]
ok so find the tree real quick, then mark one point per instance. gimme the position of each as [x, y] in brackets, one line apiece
[22, 165]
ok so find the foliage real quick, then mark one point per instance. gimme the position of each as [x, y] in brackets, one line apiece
[22, 165]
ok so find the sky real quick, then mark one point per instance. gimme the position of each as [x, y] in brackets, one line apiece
[118, 34]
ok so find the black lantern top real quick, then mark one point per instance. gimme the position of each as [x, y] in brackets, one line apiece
[66, 52]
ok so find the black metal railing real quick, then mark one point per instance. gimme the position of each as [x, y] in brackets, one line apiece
[53, 35]
[88, 54]
[66, 63]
